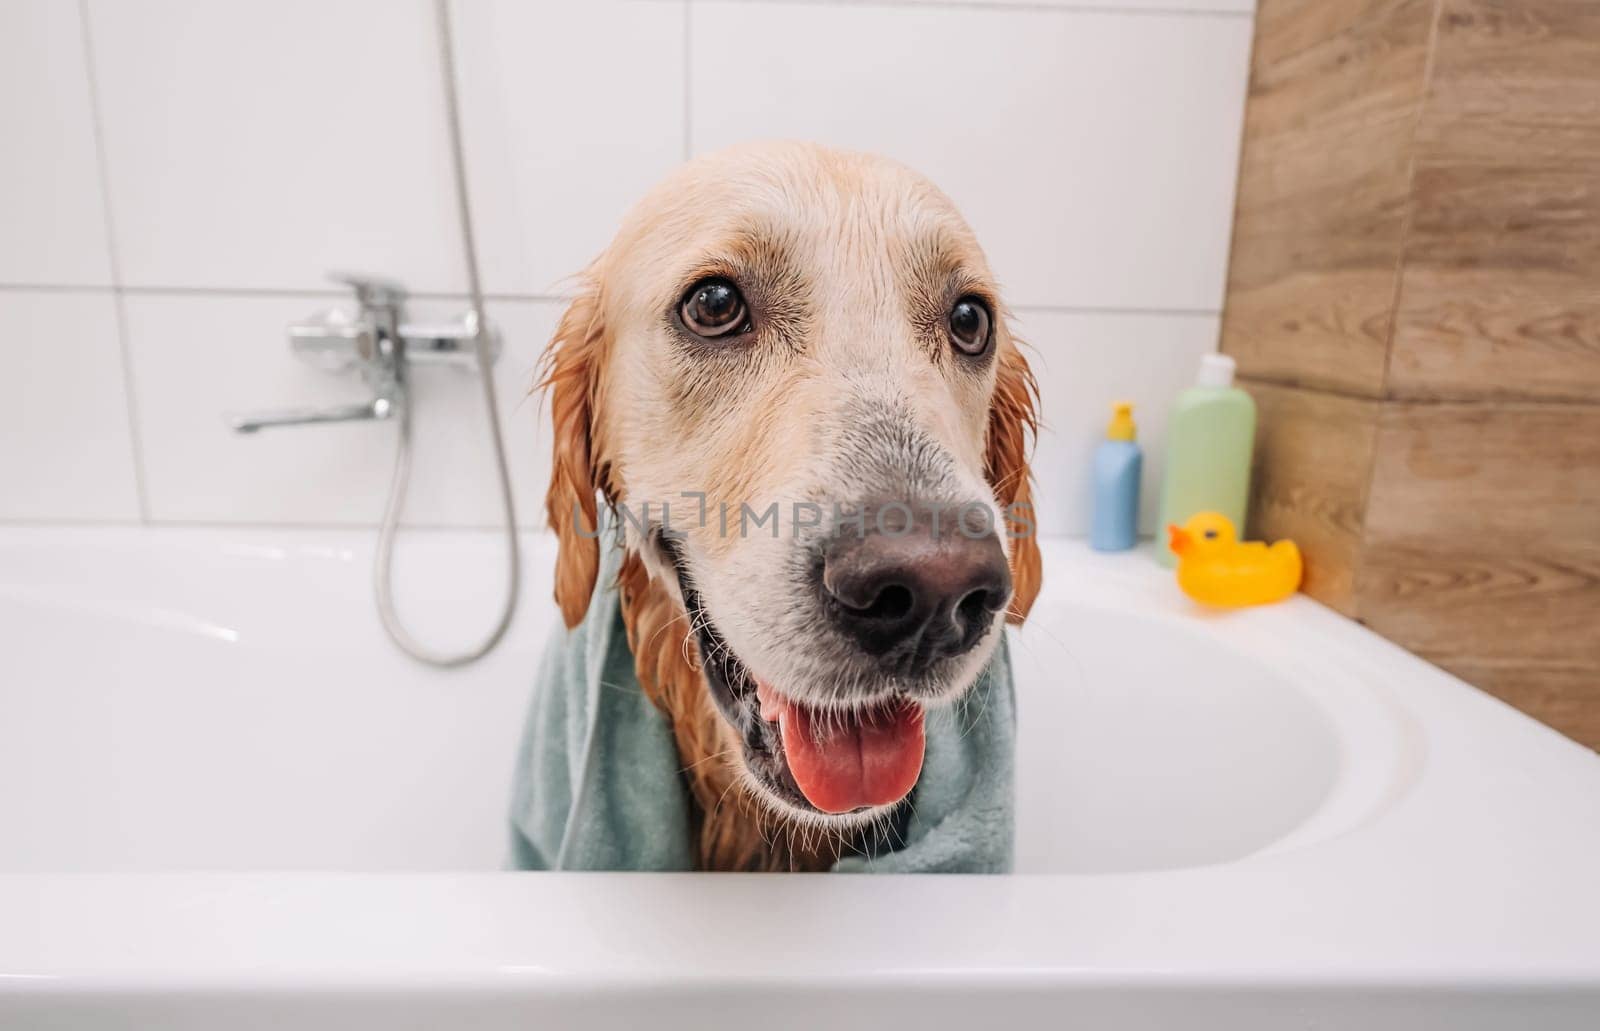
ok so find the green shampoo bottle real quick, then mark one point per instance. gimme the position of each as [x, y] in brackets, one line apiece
[1209, 439]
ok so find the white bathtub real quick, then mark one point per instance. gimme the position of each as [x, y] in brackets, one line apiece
[225, 801]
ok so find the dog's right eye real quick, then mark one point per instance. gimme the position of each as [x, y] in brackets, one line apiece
[969, 326]
[714, 308]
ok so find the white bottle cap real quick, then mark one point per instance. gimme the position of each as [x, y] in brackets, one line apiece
[1216, 370]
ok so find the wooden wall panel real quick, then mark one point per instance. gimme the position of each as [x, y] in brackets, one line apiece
[1497, 334]
[1324, 175]
[1482, 537]
[1500, 294]
[1513, 84]
[1309, 480]
[1505, 476]
[1441, 462]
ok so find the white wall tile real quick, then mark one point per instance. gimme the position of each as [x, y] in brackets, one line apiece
[1086, 361]
[258, 143]
[1185, 6]
[1094, 153]
[52, 209]
[570, 112]
[65, 450]
[197, 358]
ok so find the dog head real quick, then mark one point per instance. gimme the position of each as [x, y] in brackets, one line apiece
[791, 377]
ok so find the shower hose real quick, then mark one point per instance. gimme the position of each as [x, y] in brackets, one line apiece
[383, 573]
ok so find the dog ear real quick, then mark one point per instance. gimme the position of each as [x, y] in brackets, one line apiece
[569, 374]
[1013, 424]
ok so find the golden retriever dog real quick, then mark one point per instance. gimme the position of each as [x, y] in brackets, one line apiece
[787, 366]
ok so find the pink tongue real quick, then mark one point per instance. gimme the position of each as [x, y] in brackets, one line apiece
[846, 762]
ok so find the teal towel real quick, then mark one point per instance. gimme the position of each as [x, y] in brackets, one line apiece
[598, 784]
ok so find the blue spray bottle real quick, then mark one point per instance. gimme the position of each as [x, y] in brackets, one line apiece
[1117, 465]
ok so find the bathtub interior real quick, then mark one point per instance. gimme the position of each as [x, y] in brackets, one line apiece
[1144, 745]
[186, 700]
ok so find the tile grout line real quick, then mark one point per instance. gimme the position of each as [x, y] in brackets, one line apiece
[254, 524]
[1343, 393]
[114, 258]
[299, 526]
[256, 292]
[1115, 309]
[688, 85]
[1233, 194]
[1359, 564]
[58, 288]
[1016, 6]
[1406, 217]
[97, 130]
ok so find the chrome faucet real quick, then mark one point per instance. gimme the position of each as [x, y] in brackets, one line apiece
[377, 342]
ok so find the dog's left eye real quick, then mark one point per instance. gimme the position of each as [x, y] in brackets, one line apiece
[969, 326]
[714, 308]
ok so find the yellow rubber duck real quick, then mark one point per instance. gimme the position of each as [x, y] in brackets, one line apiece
[1216, 568]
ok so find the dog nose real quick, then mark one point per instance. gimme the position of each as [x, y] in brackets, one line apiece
[914, 597]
